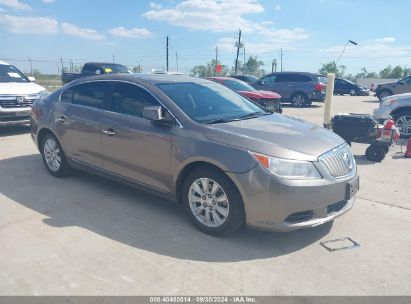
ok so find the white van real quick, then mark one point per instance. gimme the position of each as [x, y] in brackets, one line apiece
[17, 93]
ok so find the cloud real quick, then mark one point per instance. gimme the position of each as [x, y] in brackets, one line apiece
[155, 5]
[16, 4]
[29, 25]
[48, 1]
[210, 15]
[277, 7]
[385, 40]
[130, 33]
[85, 33]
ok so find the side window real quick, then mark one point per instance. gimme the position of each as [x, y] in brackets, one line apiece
[284, 78]
[297, 78]
[130, 99]
[90, 94]
[408, 80]
[67, 95]
[269, 79]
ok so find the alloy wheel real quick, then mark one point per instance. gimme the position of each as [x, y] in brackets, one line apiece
[208, 202]
[404, 125]
[52, 154]
[298, 100]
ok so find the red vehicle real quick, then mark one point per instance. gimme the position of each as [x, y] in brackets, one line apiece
[270, 101]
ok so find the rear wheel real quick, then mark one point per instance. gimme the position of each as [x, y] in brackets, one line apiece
[212, 201]
[375, 153]
[403, 122]
[53, 156]
[299, 100]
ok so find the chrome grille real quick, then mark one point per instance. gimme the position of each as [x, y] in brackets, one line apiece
[338, 162]
[13, 101]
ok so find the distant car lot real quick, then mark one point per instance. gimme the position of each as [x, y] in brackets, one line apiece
[90, 236]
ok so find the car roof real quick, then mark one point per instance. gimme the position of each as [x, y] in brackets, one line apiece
[297, 73]
[220, 78]
[140, 77]
[3, 63]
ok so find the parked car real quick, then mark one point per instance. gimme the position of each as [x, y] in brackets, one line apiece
[344, 86]
[95, 68]
[246, 78]
[17, 93]
[393, 88]
[398, 107]
[191, 140]
[270, 101]
[300, 89]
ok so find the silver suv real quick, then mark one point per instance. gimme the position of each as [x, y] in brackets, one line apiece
[17, 93]
[393, 88]
[191, 140]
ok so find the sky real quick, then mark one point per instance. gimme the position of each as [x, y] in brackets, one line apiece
[134, 32]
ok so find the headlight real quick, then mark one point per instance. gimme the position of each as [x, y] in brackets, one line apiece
[287, 168]
[388, 101]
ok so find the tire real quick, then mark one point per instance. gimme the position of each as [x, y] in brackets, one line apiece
[375, 153]
[53, 156]
[203, 207]
[384, 93]
[299, 100]
[403, 122]
[352, 92]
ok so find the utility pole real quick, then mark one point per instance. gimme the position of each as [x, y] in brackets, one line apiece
[281, 60]
[62, 66]
[58, 68]
[114, 58]
[167, 54]
[274, 66]
[216, 60]
[71, 65]
[177, 60]
[31, 67]
[244, 66]
[238, 51]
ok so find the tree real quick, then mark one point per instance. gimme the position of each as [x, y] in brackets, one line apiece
[342, 69]
[330, 67]
[386, 73]
[208, 69]
[254, 66]
[397, 72]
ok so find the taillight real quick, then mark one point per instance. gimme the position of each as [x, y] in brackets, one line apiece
[320, 86]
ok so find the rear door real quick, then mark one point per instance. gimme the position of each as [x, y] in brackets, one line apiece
[79, 126]
[134, 147]
[270, 83]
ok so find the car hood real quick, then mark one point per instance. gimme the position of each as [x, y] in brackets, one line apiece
[260, 94]
[386, 83]
[16, 88]
[276, 135]
[399, 96]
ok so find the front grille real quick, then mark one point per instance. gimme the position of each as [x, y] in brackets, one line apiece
[338, 162]
[300, 217]
[8, 101]
[336, 207]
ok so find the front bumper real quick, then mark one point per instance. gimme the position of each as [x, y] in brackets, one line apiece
[14, 116]
[284, 205]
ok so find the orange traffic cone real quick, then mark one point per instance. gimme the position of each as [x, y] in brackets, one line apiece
[408, 151]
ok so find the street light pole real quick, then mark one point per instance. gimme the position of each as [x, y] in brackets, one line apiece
[348, 42]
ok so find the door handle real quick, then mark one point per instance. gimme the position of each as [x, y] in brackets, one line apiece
[110, 132]
[61, 119]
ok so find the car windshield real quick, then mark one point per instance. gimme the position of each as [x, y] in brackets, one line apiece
[9, 73]
[237, 85]
[116, 68]
[209, 102]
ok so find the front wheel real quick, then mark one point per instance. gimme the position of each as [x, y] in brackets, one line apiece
[53, 156]
[212, 202]
[353, 92]
[383, 94]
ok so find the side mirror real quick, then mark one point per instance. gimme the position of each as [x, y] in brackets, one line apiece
[155, 114]
[31, 79]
